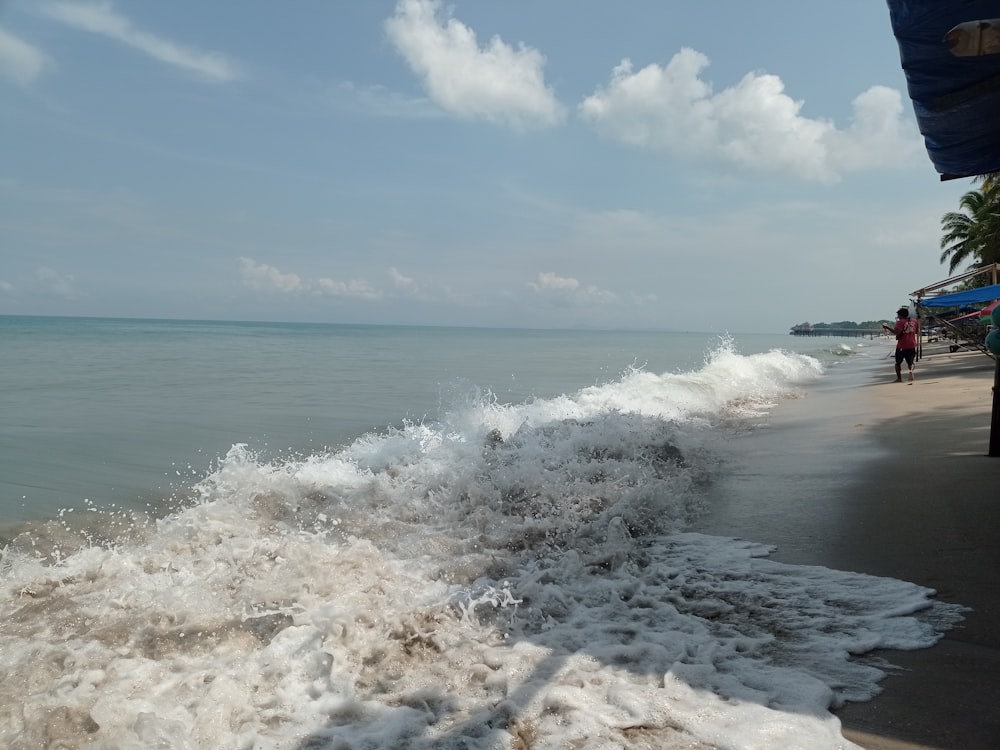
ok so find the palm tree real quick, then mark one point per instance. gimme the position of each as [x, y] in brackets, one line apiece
[991, 231]
[962, 239]
[973, 234]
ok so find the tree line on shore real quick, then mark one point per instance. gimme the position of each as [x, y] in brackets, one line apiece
[846, 325]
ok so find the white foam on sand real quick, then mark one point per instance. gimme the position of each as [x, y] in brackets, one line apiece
[512, 577]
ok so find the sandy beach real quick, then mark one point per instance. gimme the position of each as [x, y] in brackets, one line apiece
[894, 480]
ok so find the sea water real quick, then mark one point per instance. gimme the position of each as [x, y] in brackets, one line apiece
[120, 411]
[243, 535]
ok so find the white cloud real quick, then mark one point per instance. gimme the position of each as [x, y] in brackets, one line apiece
[496, 82]
[102, 19]
[878, 135]
[263, 276]
[6, 287]
[268, 278]
[351, 288]
[552, 282]
[565, 290]
[754, 124]
[21, 62]
[403, 283]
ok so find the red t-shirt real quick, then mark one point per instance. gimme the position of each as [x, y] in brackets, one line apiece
[906, 330]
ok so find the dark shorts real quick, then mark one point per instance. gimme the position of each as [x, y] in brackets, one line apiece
[908, 354]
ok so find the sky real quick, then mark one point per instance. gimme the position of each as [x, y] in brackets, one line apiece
[710, 166]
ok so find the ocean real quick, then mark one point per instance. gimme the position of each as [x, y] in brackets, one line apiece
[275, 535]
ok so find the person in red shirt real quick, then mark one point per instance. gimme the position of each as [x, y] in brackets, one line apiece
[907, 331]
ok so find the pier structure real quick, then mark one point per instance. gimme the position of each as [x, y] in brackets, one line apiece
[853, 333]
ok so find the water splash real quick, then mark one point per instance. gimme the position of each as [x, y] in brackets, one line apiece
[512, 573]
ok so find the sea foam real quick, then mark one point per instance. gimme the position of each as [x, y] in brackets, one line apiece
[511, 575]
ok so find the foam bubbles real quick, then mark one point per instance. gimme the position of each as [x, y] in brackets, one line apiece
[513, 574]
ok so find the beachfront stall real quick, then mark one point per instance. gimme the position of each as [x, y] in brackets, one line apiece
[973, 323]
[958, 315]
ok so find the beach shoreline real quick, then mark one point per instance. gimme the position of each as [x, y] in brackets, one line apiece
[892, 479]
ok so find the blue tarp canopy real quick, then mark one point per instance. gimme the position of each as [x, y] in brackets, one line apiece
[968, 297]
[956, 99]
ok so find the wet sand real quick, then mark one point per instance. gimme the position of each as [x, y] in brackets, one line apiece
[891, 479]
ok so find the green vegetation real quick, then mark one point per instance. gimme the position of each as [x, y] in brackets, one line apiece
[845, 325]
[972, 234]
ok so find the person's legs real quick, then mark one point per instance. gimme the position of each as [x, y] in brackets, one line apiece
[899, 366]
[911, 355]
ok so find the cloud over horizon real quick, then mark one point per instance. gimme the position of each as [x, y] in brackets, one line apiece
[566, 291]
[264, 277]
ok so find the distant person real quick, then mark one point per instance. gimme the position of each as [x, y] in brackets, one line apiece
[906, 330]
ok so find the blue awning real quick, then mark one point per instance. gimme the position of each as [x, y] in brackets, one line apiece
[956, 97]
[968, 297]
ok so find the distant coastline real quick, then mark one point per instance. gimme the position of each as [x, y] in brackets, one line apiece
[848, 329]
[322, 324]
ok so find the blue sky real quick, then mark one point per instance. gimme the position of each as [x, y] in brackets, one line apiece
[710, 166]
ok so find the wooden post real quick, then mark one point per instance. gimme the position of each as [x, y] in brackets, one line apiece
[920, 334]
[995, 419]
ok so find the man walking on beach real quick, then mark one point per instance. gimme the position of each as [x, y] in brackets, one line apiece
[906, 330]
